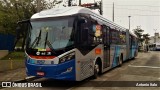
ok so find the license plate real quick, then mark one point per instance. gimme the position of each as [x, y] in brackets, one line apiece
[40, 73]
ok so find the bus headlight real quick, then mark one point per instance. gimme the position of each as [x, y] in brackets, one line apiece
[67, 57]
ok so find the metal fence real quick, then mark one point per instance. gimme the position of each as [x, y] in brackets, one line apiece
[7, 42]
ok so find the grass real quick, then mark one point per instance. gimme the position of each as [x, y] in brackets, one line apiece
[14, 56]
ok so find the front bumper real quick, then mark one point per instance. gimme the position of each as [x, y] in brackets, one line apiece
[63, 71]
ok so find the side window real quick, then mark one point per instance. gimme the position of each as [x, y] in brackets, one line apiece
[95, 32]
[118, 41]
[89, 31]
[133, 40]
[122, 36]
[114, 36]
[83, 30]
[97, 29]
[130, 40]
[106, 35]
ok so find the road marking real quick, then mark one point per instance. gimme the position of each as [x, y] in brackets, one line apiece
[143, 66]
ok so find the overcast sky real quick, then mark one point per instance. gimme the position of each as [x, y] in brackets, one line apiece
[144, 13]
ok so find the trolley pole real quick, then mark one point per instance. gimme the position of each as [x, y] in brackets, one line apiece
[101, 7]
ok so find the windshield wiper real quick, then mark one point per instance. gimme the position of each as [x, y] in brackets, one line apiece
[50, 46]
[46, 40]
[36, 40]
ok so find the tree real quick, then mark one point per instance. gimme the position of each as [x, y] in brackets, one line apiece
[12, 11]
[138, 31]
[146, 38]
[143, 39]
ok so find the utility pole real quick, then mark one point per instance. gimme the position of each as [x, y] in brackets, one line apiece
[38, 5]
[69, 3]
[155, 35]
[79, 2]
[100, 8]
[113, 12]
[129, 21]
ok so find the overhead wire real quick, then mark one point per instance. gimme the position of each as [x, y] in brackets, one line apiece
[133, 9]
[134, 5]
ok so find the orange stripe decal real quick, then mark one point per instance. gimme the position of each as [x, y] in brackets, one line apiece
[42, 57]
[98, 51]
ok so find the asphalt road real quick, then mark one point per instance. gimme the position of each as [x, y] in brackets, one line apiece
[144, 69]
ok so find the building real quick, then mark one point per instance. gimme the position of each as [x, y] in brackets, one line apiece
[155, 38]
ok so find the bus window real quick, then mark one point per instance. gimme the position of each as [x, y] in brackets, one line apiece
[96, 32]
[106, 35]
[122, 36]
[82, 31]
[114, 36]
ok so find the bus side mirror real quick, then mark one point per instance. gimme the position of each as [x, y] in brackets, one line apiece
[18, 31]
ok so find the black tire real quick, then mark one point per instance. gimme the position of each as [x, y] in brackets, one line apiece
[134, 56]
[121, 60]
[96, 70]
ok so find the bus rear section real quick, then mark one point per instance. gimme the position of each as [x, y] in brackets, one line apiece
[157, 47]
[133, 46]
[154, 46]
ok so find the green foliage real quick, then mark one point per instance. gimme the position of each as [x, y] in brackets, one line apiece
[138, 32]
[141, 37]
[146, 38]
[14, 56]
[12, 11]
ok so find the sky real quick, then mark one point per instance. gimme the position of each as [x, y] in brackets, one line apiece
[144, 13]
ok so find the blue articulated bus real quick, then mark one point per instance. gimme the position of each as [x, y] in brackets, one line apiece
[74, 43]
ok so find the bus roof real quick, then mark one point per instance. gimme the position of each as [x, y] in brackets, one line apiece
[66, 11]
[63, 11]
[133, 34]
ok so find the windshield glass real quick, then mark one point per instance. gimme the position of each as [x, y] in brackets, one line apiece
[55, 33]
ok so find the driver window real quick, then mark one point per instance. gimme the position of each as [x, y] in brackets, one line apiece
[83, 29]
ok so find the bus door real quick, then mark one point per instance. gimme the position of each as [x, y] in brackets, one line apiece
[106, 42]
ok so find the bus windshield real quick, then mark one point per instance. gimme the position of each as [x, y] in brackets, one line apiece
[51, 34]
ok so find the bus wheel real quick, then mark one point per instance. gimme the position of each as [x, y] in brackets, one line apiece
[134, 56]
[96, 70]
[121, 60]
